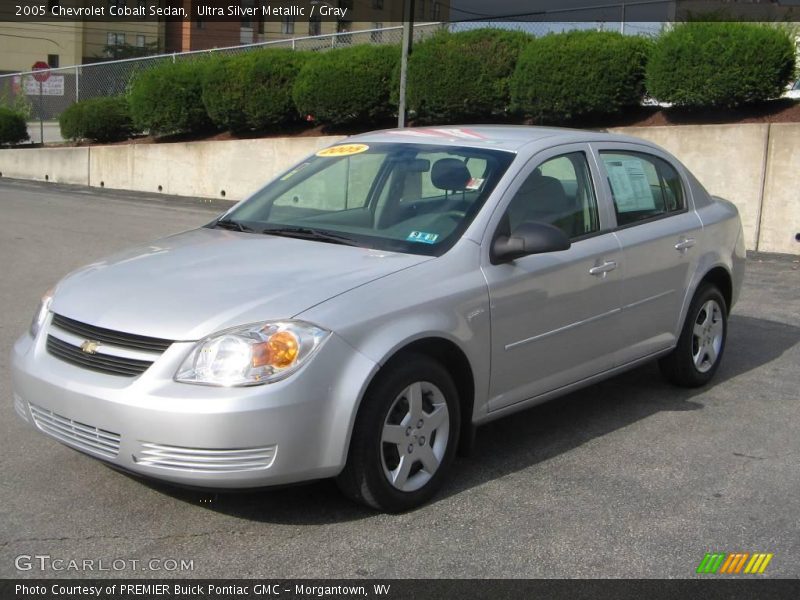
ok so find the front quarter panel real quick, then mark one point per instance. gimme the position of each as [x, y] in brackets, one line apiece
[444, 298]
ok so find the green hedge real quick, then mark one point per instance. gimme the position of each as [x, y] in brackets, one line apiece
[347, 85]
[252, 91]
[13, 128]
[720, 64]
[458, 76]
[97, 119]
[562, 76]
[168, 98]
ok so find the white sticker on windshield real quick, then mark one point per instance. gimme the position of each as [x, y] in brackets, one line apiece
[630, 186]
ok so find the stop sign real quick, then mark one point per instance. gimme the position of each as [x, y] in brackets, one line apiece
[41, 71]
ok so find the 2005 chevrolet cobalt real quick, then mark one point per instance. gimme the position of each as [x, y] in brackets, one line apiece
[360, 315]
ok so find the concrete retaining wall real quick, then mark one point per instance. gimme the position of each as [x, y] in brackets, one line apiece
[232, 169]
[757, 166]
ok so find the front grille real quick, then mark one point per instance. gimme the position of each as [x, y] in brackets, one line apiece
[104, 363]
[108, 336]
[84, 437]
[205, 460]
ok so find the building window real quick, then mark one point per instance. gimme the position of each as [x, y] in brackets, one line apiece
[287, 24]
[115, 39]
[421, 9]
[377, 4]
[437, 11]
[200, 24]
[51, 4]
[376, 37]
[117, 3]
[140, 41]
[52, 60]
[314, 25]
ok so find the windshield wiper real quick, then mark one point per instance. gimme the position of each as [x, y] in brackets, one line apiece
[306, 233]
[232, 225]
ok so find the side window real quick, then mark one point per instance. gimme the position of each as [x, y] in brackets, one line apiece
[643, 186]
[559, 192]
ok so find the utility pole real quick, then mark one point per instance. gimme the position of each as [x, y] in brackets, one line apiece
[408, 36]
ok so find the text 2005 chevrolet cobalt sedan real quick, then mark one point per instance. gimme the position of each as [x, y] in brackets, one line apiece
[362, 313]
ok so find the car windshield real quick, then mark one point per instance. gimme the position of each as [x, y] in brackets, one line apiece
[410, 198]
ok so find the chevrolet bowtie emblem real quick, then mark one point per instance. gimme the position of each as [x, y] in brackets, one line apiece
[90, 346]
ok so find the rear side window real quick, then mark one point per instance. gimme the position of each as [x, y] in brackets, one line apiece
[643, 186]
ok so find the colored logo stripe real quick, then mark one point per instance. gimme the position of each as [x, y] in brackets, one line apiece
[733, 563]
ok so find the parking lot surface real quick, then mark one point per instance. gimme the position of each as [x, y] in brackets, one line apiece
[628, 478]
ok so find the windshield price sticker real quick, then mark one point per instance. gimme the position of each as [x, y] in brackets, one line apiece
[345, 150]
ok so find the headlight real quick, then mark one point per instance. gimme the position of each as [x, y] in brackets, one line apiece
[251, 355]
[41, 313]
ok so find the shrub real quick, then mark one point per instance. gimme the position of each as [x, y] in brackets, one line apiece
[13, 128]
[223, 92]
[565, 75]
[347, 85]
[253, 90]
[169, 98]
[457, 76]
[98, 119]
[719, 64]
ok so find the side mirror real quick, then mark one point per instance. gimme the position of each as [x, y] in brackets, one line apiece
[529, 238]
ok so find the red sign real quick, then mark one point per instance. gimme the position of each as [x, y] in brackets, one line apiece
[41, 71]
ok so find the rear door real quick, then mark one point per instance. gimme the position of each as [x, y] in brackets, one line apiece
[658, 231]
[554, 316]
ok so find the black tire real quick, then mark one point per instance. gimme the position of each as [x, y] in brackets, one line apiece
[680, 366]
[365, 477]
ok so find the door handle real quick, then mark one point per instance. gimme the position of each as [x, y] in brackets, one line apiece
[685, 244]
[604, 269]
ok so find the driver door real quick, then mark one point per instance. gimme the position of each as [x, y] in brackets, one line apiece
[555, 317]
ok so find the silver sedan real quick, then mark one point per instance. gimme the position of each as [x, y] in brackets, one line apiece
[361, 314]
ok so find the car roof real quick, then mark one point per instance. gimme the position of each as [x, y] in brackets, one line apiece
[503, 137]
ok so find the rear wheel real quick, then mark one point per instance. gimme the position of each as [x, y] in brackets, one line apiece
[696, 358]
[405, 436]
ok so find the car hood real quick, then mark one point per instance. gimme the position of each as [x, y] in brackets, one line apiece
[192, 284]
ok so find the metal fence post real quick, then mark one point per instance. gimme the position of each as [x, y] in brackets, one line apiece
[77, 84]
[408, 32]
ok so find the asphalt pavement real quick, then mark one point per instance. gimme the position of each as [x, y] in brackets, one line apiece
[628, 478]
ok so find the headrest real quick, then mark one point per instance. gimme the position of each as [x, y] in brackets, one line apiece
[450, 174]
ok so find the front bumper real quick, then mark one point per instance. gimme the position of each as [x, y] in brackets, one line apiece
[293, 430]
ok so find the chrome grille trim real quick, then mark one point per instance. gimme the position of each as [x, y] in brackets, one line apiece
[104, 363]
[80, 435]
[205, 460]
[109, 336]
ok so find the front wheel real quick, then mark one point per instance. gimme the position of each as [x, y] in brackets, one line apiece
[405, 436]
[696, 358]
